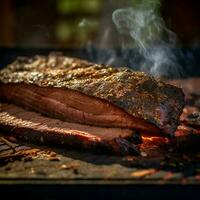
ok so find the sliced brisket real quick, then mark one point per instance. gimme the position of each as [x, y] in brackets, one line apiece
[32, 127]
[79, 91]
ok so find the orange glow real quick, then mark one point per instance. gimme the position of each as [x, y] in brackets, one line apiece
[155, 139]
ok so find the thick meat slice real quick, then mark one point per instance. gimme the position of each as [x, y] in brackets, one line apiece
[73, 106]
[33, 127]
[152, 104]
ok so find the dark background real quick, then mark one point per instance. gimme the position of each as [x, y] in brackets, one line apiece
[84, 27]
[72, 23]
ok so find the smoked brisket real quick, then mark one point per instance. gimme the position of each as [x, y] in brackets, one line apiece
[79, 91]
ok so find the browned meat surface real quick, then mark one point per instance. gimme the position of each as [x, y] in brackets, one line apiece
[76, 90]
[33, 127]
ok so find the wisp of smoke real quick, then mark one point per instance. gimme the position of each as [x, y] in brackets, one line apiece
[152, 40]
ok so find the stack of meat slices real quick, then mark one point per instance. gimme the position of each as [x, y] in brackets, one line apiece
[66, 101]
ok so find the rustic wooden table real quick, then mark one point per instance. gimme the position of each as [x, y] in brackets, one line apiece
[30, 168]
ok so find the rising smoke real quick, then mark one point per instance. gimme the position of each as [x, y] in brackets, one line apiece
[152, 40]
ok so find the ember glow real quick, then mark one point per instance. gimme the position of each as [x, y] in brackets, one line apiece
[155, 140]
